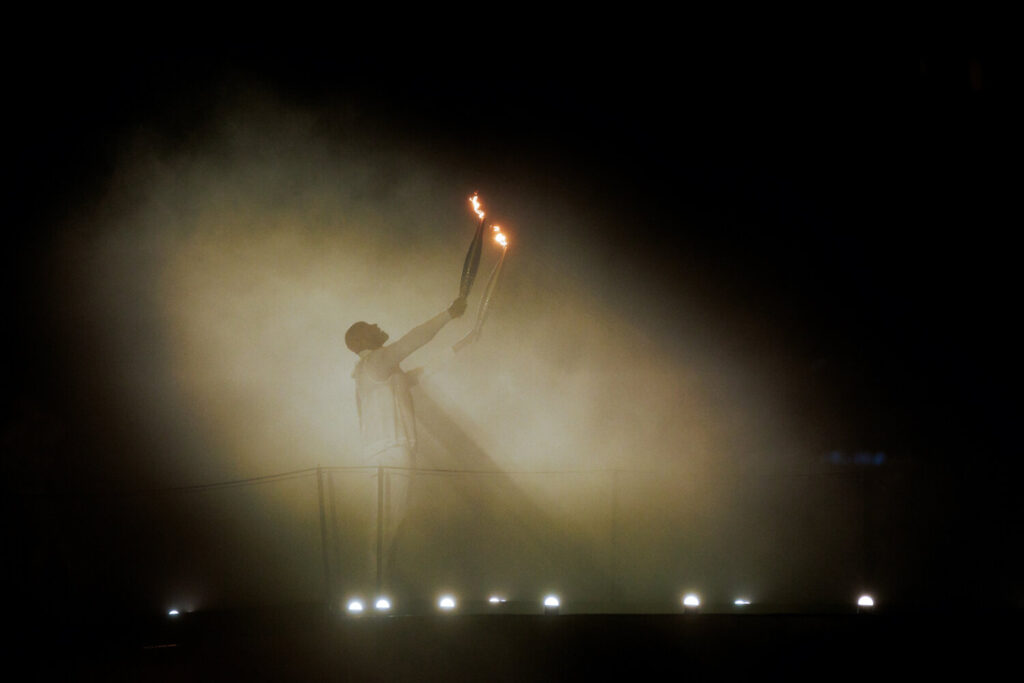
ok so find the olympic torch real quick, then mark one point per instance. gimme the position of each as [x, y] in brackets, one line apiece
[485, 301]
[472, 262]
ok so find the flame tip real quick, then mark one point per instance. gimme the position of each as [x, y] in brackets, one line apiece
[475, 201]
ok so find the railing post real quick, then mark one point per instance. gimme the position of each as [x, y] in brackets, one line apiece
[334, 540]
[323, 537]
[614, 539]
[380, 527]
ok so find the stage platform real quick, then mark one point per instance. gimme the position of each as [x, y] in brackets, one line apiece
[311, 643]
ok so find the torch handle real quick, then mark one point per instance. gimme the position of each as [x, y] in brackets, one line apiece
[472, 262]
[485, 303]
[470, 337]
[492, 281]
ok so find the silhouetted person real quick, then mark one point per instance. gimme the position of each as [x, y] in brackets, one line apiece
[386, 417]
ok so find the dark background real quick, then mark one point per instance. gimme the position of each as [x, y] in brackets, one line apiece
[857, 201]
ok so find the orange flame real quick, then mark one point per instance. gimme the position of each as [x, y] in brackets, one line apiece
[499, 236]
[475, 201]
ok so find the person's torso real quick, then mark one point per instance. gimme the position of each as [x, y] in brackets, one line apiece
[386, 416]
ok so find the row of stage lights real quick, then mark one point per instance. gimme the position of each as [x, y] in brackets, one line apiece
[446, 603]
[552, 603]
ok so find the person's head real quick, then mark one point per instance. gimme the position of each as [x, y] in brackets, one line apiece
[362, 336]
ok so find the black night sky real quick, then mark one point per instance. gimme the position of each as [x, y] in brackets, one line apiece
[847, 211]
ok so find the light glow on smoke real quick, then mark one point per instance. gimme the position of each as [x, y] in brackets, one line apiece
[214, 289]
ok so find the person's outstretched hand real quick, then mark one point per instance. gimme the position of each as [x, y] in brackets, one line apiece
[458, 307]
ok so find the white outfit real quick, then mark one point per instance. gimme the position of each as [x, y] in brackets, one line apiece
[388, 424]
[386, 417]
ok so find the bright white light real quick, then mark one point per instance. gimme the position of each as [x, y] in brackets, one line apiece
[382, 604]
[355, 606]
[551, 601]
[865, 601]
[173, 613]
[446, 602]
[496, 600]
[691, 600]
[740, 602]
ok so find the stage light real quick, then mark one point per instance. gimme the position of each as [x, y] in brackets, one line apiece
[355, 606]
[551, 604]
[691, 601]
[865, 602]
[447, 603]
[173, 613]
[741, 602]
[496, 600]
[382, 605]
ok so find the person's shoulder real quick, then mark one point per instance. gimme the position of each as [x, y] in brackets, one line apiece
[377, 363]
[361, 363]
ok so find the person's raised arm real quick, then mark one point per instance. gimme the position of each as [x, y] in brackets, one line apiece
[393, 354]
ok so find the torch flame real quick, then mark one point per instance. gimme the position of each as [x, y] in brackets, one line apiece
[475, 201]
[498, 236]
